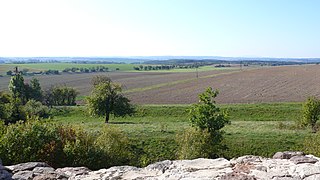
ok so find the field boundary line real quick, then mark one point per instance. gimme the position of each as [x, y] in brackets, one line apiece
[181, 81]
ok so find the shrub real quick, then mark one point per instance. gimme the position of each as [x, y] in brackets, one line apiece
[205, 115]
[23, 142]
[206, 139]
[34, 109]
[193, 143]
[312, 144]
[311, 112]
[115, 145]
[79, 148]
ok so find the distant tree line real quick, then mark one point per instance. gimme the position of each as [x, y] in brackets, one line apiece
[87, 70]
[26, 71]
[166, 67]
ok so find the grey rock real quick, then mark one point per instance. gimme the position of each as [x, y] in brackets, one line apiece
[4, 174]
[287, 154]
[43, 170]
[26, 166]
[159, 166]
[313, 177]
[73, 171]
[50, 176]
[246, 159]
[237, 176]
[23, 175]
[303, 159]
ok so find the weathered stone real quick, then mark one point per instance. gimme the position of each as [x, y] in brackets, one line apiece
[23, 175]
[4, 174]
[43, 170]
[159, 166]
[50, 176]
[73, 171]
[287, 154]
[237, 176]
[313, 177]
[26, 166]
[303, 159]
[246, 159]
[298, 167]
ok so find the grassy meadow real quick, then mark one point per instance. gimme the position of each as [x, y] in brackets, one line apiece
[258, 129]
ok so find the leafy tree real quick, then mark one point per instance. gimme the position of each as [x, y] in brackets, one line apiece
[106, 99]
[206, 139]
[17, 87]
[205, 115]
[4, 108]
[311, 112]
[34, 110]
[60, 96]
[36, 91]
[16, 111]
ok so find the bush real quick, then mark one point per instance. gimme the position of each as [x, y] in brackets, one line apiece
[193, 143]
[207, 119]
[23, 142]
[79, 148]
[311, 112]
[115, 145]
[312, 144]
[61, 146]
[34, 109]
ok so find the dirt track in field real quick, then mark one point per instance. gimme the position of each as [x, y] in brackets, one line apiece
[271, 84]
[274, 84]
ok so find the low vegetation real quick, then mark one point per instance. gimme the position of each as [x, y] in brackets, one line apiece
[39, 125]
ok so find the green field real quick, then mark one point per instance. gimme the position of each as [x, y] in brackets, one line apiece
[36, 67]
[61, 66]
[258, 129]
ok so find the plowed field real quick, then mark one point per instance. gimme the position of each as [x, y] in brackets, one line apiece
[271, 84]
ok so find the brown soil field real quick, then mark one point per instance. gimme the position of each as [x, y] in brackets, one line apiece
[273, 84]
[129, 80]
[265, 84]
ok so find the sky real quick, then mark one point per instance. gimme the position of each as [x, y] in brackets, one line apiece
[230, 28]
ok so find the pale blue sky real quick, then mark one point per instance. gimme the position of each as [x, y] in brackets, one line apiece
[254, 28]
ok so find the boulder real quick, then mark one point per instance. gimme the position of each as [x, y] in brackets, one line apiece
[303, 159]
[27, 166]
[4, 174]
[287, 154]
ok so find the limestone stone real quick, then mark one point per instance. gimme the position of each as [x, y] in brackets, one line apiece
[303, 159]
[73, 171]
[287, 154]
[27, 166]
[297, 167]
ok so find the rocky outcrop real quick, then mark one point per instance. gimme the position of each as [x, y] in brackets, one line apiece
[283, 166]
[4, 174]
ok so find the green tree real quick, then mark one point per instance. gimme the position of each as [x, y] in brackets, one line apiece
[36, 91]
[106, 99]
[17, 87]
[311, 112]
[4, 106]
[205, 115]
[205, 140]
[60, 96]
[35, 110]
